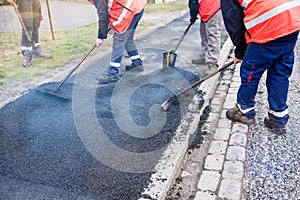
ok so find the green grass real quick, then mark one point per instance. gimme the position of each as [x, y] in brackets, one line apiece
[68, 46]
[164, 7]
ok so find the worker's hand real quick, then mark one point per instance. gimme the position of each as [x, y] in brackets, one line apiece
[10, 1]
[237, 60]
[99, 42]
[193, 20]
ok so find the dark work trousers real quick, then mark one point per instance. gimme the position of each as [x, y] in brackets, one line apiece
[125, 41]
[30, 11]
[277, 57]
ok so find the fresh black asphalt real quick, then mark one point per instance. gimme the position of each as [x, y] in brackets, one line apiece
[49, 147]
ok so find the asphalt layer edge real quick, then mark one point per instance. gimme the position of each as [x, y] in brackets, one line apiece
[169, 165]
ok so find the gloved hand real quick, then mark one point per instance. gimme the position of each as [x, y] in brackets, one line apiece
[193, 6]
[193, 20]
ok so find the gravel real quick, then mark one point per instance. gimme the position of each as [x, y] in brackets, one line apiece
[273, 161]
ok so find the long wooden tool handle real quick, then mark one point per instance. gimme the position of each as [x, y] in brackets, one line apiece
[182, 37]
[50, 19]
[207, 77]
[21, 21]
[73, 70]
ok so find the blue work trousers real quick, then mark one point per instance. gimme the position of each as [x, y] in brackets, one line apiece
[125, 40]
[277, 57]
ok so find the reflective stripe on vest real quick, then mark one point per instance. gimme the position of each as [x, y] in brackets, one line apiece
[122, 12]
[245, 3]
[269, 20]
[109, 4]
[272, 13]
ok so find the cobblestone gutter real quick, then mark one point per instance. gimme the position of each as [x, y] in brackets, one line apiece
[240, 162]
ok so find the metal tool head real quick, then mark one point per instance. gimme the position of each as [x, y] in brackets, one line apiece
[52, 90]
[166, 105]
[169, 59]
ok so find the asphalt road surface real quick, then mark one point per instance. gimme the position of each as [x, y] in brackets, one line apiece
[103, 141]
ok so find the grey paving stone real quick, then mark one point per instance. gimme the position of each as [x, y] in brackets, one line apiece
[235, 84]
[209, 180]
[212, 117]
[217, 100]
[230, 189]
[233, 90]
[218, 147]
[238, 139]
[230, 101]
[223, 114]
[236, 79]
[214, 162]
[216, 108]
[233, 169]
[235, 153]
[222, 133]
[201, 195]
[224, 123]
[239, 128]
[220, 93]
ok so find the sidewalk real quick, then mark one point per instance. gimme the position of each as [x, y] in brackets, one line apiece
[240, 162]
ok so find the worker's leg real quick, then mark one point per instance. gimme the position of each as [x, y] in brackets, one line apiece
[278, 80]
[130, 45]
[213, 37]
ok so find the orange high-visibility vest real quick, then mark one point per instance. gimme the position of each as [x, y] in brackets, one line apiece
[269, 20]
[207, 8]
[122, 12]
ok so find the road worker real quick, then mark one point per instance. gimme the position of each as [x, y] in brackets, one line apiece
[264, 33]
[123, 17]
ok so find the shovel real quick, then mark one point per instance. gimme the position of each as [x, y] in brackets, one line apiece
[166, 105]
[169, 58]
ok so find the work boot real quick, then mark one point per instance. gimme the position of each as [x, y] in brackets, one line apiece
[109, 76]
[42, 55]
[26, 63]
[199, 61]
[136, 68]
[271, 124]
[235, 115]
